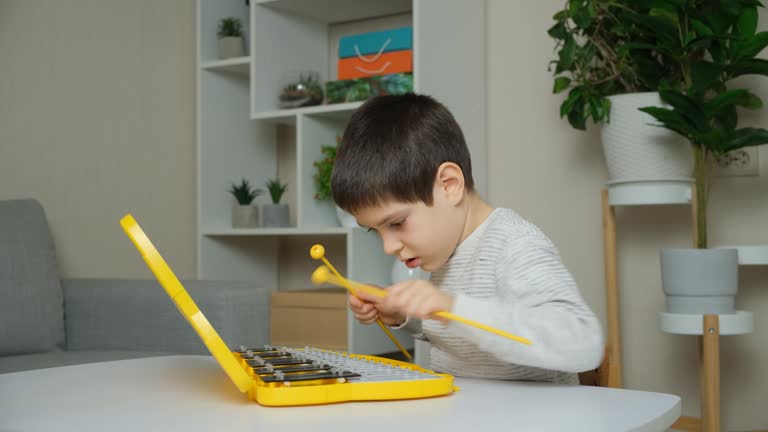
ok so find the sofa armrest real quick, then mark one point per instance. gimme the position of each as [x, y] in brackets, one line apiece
[137, 315]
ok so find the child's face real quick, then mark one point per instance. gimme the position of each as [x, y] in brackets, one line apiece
[416, 234]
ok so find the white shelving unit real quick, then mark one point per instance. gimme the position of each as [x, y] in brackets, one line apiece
[243, 133]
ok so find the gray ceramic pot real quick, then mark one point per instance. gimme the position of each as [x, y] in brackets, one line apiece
[700, 281]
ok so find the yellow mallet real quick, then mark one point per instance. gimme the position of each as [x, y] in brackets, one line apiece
[318, 252]
[323, 275]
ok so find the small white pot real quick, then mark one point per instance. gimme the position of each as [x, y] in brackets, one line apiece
[345, 219]
[245, 216]
[636, 149]
[230, 47]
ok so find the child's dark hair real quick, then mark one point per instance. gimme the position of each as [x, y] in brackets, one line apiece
[392, 148]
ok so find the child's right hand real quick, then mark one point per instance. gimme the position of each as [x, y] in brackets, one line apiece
[367, 312]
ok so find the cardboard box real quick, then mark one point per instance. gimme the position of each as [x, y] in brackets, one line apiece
[315, 318]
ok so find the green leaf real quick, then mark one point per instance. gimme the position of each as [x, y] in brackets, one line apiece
[561, 83]
[606, 109]
[701, 28]
[576, 117]
[567, 53]
[558, 31]
[688, 108]
[568, 104]
[747, 24]
[666, 14]
[745, 137]
[595, 110]
[751, 46]
[748, 67]
[727, 118]
[740, 97]
[704, 74]
[582, 18]
[670, 120]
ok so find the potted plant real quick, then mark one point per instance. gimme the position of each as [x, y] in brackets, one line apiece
[609, 65]
[230, 35]
[721, 44]
[322, 178]
[276, 214]
[244, 214]
[300, 89]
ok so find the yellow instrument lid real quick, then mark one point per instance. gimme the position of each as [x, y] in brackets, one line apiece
[186, 306]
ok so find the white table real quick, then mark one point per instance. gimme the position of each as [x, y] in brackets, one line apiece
[192, 392]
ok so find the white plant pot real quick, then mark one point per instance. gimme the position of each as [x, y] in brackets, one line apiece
[636, 150]
[245, 216]
[230, 47]
[346, 220]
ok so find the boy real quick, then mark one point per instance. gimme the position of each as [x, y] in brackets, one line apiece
[403, 170]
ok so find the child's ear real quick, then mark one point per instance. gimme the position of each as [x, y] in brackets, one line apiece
[450, 181]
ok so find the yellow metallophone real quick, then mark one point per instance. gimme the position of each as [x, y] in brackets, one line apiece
[279, 376]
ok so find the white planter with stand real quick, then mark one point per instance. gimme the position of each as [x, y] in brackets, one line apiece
[637, 150]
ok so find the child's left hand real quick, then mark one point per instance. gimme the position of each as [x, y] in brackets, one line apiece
[417, 298]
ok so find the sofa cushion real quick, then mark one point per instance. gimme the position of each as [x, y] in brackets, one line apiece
[31, 299]
[23, 362]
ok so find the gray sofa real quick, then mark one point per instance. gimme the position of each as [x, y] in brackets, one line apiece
[48, 322]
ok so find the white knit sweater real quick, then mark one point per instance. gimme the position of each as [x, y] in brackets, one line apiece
[509, 275]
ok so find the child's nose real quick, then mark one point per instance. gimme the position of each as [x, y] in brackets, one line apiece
[392, 244]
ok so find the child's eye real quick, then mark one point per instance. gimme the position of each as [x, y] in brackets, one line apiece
[398, 223]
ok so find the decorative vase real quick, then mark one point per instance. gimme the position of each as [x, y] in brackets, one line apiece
[245, 216]
[275, 215]
[700, 281]
[230, 47]
[345, 219]
[636, 149]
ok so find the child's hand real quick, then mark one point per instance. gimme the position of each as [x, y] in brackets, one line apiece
[411, 298]
[367, 309]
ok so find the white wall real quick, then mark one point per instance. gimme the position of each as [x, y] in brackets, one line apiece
[553, 174]
[97, 119]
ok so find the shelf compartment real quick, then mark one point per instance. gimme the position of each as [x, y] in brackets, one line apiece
[237, 66]
[342, 10]
[288, 116]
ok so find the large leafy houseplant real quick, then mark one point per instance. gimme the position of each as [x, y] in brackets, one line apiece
[604, 49]
[688, 50]
[713, 42]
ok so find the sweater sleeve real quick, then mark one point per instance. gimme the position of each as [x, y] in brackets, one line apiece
[412, 326]
[537, 298]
